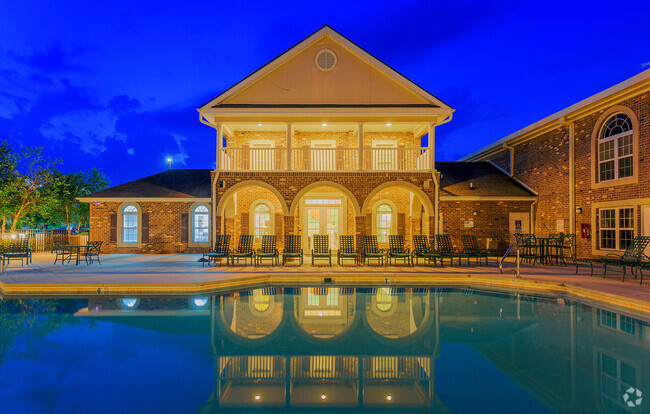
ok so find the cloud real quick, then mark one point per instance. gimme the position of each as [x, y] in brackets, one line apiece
[645, 65]
[130, 151]
[181, 155]
[52, 59]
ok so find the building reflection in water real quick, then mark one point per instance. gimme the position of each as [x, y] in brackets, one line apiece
[377, 347]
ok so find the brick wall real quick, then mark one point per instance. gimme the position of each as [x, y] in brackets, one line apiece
[164, 227]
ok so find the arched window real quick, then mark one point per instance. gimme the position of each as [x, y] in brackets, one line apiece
[261, 301]
[261, 221]
[200, 224]
[130, 224]
[616, 148]
[384, 300]
[384, 222]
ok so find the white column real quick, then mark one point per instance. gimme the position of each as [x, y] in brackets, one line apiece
[360, 146]
[219, 129]
[289, 134]
[432, 145]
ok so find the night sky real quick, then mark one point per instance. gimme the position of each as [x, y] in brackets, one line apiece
[115, 85]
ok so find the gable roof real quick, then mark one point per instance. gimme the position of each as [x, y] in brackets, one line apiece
[181, 183]
[326, 32]
[486, 179]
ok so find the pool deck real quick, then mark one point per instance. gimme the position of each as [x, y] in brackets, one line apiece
[182, 274]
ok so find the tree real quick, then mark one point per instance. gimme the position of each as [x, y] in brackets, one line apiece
[24, 192]
[60, 204]
[8, 170]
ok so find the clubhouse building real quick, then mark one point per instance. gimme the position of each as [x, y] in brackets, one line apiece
[328, 139]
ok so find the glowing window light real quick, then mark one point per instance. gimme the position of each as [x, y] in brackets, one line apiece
[199, 302]
[129, 303]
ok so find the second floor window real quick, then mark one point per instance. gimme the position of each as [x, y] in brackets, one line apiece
[384, 222]
[200, 223]
[130, 224]
[616, 149]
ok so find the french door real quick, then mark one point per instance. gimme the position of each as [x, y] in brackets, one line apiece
[323, 220]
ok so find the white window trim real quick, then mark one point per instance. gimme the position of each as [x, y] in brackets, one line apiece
[120, 243]
[393, 223]
[251, 219]
[617, 227]
[617, 157]
[190, 226]
[595, 156]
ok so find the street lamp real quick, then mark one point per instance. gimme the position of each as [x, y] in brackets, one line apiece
[169, 160]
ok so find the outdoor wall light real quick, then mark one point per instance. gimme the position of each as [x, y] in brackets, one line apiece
[471, 186]
[579, 210]
[474, 213]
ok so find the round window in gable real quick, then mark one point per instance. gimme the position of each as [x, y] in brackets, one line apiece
[325, 60]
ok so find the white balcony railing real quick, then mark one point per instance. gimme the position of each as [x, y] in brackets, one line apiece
[325, 159]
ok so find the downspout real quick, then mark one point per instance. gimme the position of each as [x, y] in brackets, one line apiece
[532, 217]
[572, 179]
[216, 177]
[512, 158]
[436, 214]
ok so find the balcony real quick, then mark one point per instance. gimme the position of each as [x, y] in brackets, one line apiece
[325, 159]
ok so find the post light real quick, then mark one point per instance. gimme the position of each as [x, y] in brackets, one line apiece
[169, 160]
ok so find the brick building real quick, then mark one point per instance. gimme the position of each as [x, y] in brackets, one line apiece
[324, 139]
[587, 164]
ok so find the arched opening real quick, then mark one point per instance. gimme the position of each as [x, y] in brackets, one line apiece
[252, 208]
[397, 208]
[325, 313]
[395, 313]
[324, 208]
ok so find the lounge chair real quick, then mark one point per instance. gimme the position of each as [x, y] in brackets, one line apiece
[292, 249]
[268, 251]
[371, 250]
[62, 252]
[321, 248]
[347, 250]
[221, 250]
[471, 249]
[244, 250]
[423, 250]
[397, 251]
[17, 250]
[446, 249]
[632, 257]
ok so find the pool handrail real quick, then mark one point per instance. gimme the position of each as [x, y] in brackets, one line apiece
[503, 259]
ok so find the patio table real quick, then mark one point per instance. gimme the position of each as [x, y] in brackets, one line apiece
[78, 248]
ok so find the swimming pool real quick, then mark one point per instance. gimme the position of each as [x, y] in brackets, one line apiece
[278, 349]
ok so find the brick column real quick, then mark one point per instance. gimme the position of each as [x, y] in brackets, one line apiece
[217, 225]
[360, 229]
[289, 225]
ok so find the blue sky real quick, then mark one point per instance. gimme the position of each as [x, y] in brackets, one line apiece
[115, 85]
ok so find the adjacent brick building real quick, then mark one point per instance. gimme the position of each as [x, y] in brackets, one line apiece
[588, 165]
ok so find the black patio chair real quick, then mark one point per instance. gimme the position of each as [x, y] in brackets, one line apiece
[397, 251]
[472, 250]
[447, 250]
[321, 248]
[566, 249]
[371, 250]
[17, 250]
[62, 251]
[347, 250]
[530, 248]
[244, 250]
[93, 251]
[268, 250]
[633, 258]
[221, 250]
[292, 249]
[422, 250]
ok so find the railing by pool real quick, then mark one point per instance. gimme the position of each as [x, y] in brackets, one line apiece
[325, 159]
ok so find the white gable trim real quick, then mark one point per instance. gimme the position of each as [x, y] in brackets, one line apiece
[325, 31]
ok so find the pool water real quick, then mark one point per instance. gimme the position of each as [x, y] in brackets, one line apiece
[322, 349]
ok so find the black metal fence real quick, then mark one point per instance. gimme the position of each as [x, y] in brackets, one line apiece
[41, 241]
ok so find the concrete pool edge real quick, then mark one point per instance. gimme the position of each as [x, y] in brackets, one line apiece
[580, 294]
